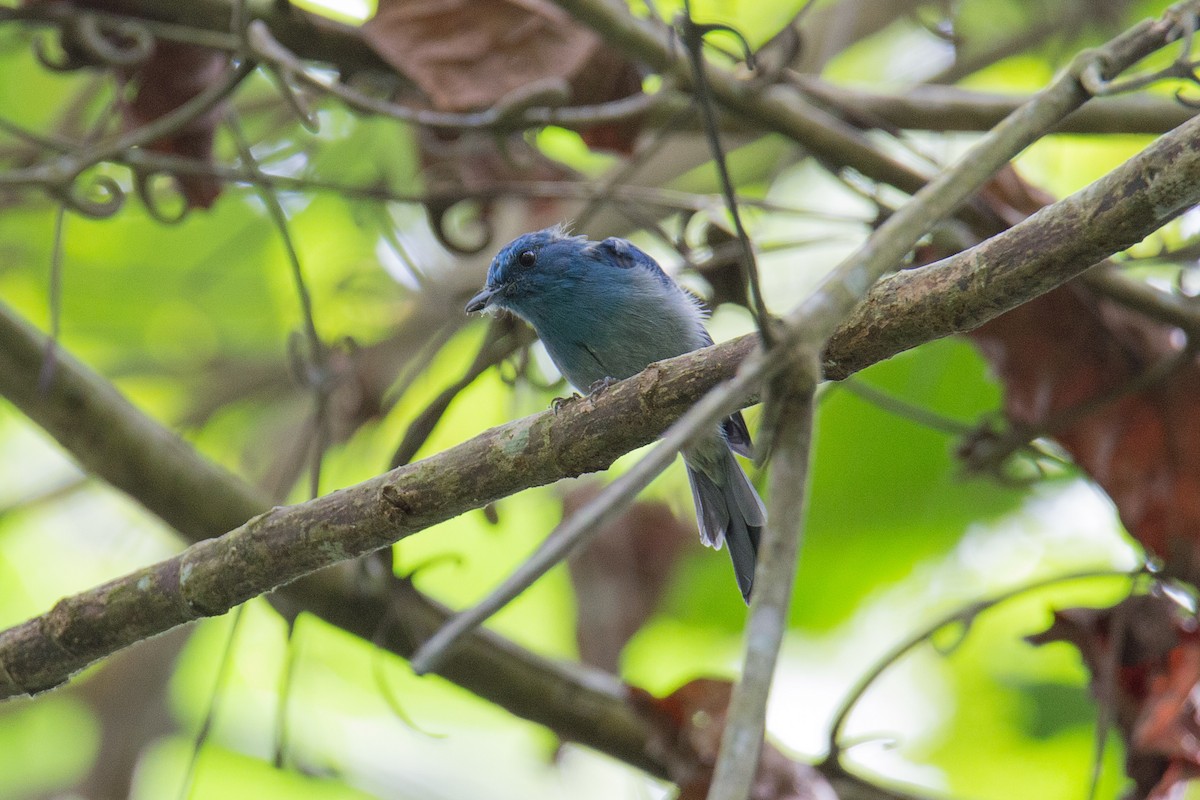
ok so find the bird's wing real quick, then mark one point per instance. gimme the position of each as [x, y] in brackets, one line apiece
[737, 435]
[627, 255]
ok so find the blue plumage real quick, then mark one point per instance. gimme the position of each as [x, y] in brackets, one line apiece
[607, 310]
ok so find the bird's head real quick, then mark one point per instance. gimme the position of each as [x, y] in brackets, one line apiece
[533, 265]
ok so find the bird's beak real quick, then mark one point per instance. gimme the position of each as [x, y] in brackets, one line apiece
[480, 301]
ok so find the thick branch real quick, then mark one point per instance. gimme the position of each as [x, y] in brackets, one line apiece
[964, 291]
[212, 576]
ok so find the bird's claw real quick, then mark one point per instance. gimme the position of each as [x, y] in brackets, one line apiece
[558, 402]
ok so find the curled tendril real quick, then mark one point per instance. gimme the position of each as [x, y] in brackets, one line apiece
[1094, 68]
[439, 214]
[295, 100]
[153, 201]
[111, 42]
[64, 59]
[692, 34]
[100, 198]
[956, 632]
[91, 40]
[747, 52]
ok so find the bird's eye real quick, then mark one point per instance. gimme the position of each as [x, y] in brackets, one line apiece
[527, 258]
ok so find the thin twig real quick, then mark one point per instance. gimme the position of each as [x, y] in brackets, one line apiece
[223, 671]
[965, 617]
[951, 108]
[693, 41]
[287, 680]
[1171, 309]
[46, 494]
[905, 410]
[1107, 675]
[61, 15]
[318, 377]
[49, 359]
[775, 574]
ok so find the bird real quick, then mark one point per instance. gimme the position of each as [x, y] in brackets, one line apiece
[605, 310]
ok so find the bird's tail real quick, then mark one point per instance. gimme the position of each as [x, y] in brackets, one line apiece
[730, 511]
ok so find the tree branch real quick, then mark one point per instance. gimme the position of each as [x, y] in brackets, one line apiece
[949, 108]
[1178, 310]
[313, 36]
[785, 110]
[962, 292]
[817, 318]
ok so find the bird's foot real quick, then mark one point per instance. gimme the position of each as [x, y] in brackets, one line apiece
[600, 385]
[559, 402]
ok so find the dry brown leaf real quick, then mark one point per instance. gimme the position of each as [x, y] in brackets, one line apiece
[620, 576]
[1069, 350]
[172, 76]
[687, 727]
[1156, 673]
[1072, 365]
[468, 54]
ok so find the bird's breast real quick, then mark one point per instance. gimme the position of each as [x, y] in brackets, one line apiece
[602, 336]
